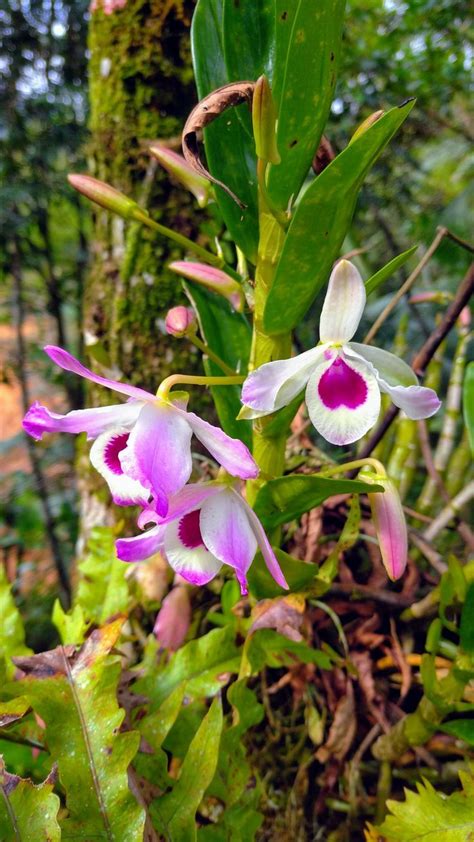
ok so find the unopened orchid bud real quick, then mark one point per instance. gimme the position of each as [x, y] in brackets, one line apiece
[264, 122]
[366, 124]
[105, 195]
[178, 167]
[390, 524]
[173, 619]
[213, 279]
[432, 297]
[181, 321]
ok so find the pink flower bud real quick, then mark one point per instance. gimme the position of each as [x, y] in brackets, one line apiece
[390, 524]
[213, 279]
[178, 167]
[173, 619]
[181, 321]
[435, 297]
[104, 195]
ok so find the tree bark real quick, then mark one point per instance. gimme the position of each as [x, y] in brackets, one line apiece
[141, 90]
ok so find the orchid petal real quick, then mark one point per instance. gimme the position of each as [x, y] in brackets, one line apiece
[275, 384]
[390, 527]
[158, 453]
[231, 453]
[39, 419]
[194, 563]
[343, 305]
[398, 380]
[104, 455]
[69, 363]
[140, 547]
[227, 533]
[343, 400]
[264, 546]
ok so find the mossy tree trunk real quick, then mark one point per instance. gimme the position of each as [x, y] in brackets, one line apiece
[141, 89]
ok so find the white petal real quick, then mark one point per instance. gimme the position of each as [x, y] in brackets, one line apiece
[397, 379]
[227, 533]
[343, 406]
[104, 455]
[197, 565]
[343, 305]
[275, 384]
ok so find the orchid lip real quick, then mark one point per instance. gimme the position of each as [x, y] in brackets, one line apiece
[341, 385]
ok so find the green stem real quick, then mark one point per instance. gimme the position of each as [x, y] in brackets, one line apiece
[212, 356]
[186, 243]
[196, 380]
[349, 466]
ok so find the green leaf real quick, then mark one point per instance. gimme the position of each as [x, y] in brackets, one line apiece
[267, 647]
[229, 142]
[72, 626]
[386, 271]
[466, 631]
[174, 814]
[228, 334]
[249, 35]
[13, 710]
[154, 728]
[12, 633]
[76, 696]
[298, 574]
[320, 223]
[102, 590]
[430, 816]
[463, 729]
[202, 663]
[286, 498]
[28, 812]
[307, 47]
[468, 403]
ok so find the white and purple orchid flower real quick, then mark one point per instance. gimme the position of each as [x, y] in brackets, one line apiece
[142, 447]
[343, 379]
[207, 525]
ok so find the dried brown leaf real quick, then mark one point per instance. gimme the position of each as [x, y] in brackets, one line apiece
[342, 730]
[285, 614]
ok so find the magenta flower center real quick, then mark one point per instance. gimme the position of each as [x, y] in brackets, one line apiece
[340, 385]
[189, 530]
[112, 450]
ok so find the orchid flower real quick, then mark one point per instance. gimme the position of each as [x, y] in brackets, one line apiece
[142, 447]
[207, 525]
[343, 379]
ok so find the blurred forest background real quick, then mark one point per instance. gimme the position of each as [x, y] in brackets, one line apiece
[86, 90]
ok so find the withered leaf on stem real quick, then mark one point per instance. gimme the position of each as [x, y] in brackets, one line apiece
[207, 110]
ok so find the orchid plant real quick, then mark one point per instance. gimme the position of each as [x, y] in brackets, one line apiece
[288, 231]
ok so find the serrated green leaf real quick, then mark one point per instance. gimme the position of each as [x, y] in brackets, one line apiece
[386, 271]
[228, 141]
[174, 814]
[28, 812]
[286, 498]
[71, 625]
[430, 816]
[12, 633]
[468, 403]
[267, 647]
[76, 696]
[203, 663]
[307, 46]
[320, 223]
[102, 591]
[228, 334]
[154, 728]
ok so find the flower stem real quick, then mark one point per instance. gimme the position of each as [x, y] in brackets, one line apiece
[186, 243]
[196, 380]
[349, 466]
[212, 356]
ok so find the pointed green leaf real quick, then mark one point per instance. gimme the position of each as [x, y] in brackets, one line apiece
[468, 403]
[76, 696]
[389, 269]
[466, 631]
[228, 334]
[174, 814]
[102, 590]
[28, 813]
[298, 574]
[72, 625]
[229, 143]
[320, 223]
[12, 633]
[154, 728]
[268, 647]
[203, 663]
[307, 46]
[249, 35]
[286, 498]
[462, 729]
